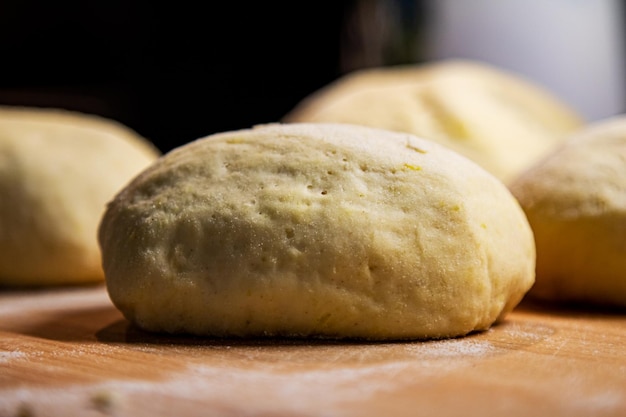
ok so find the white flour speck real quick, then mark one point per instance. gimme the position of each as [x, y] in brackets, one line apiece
[452, 348]
[7, 356]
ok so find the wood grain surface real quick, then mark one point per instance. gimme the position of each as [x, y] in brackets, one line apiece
[69, 352]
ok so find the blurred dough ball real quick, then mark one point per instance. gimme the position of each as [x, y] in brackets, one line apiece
[58, 169]
[316, 230]
[575, 201]
[496, 118]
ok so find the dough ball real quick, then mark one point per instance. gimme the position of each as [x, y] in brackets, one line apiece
[58, 169]
[316, 230]
[496, 118]
[575, 201]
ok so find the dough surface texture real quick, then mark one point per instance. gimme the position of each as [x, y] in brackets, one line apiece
[58, 169]
[496, 118]
[316, 230]
[575, 201]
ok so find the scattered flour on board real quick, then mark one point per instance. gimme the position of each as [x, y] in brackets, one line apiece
[463, 347]
[274, 387]
[7, 356]
[296, 392]
[317, 388]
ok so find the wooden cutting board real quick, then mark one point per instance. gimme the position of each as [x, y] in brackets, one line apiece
[69, 352]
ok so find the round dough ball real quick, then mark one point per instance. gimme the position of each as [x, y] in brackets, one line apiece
[496, 118]
[575, 201]
[316, 230]
[58, 169]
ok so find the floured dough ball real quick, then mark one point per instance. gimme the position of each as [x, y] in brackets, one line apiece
[316, 230]
[576, 204]
[58, 169]
[496, 118]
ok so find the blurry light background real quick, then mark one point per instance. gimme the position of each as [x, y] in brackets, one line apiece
[175, 71]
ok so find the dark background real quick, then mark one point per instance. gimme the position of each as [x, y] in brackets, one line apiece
[177, 71]
[172, 71]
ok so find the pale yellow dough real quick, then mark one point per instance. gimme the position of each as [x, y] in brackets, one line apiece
[576, 204]
[316, 230]
[500, 120]
[58, 169]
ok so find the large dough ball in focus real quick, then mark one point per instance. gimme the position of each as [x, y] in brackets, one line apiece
[316, 230]
[58, 169]
[496, 118]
